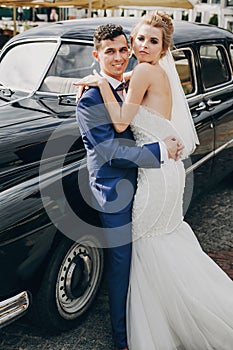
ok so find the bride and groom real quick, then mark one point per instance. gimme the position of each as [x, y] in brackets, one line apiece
[165, 293]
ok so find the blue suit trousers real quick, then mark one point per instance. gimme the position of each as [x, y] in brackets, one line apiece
[118, 269]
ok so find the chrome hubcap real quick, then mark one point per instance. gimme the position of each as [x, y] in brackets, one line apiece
[78, 278]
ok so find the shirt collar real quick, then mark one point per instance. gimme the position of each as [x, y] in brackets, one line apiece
[114, 82]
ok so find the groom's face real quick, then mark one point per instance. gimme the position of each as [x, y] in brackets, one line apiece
[113, 56]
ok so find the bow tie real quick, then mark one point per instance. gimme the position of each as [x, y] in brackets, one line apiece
[123, 86]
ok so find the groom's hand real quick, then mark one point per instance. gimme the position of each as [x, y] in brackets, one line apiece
[174, 147]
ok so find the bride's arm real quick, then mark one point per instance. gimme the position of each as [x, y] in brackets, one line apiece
[122, 115]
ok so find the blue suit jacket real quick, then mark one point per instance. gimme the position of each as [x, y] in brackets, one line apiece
[112, 158]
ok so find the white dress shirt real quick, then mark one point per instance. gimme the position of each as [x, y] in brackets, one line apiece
[115, 83]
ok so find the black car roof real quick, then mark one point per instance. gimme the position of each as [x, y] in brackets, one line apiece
[84, 28]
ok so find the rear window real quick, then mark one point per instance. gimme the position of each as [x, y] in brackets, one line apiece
[215, 69]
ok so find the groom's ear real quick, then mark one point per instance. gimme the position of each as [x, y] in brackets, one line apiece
[95, 55]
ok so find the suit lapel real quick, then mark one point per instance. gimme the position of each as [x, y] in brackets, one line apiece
[116, 95]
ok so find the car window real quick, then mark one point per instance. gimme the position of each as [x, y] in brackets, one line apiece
[73, 60]
[214, 65]
[185, 68]
[25, 72]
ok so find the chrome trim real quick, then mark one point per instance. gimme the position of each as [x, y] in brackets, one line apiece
[57, 39]
[219, 89]
[219, 149]
[211, 103]
[201, 106]
[79, 41]
[13, 308]
[47, 67]
[230, 58]
[195, 98]
[17, 100]
[199, 163]
[208, 156]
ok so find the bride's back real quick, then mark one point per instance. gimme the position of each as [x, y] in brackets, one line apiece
[158, 97]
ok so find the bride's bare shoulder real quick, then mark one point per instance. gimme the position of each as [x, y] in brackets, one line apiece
[148, 71]
[146, 67]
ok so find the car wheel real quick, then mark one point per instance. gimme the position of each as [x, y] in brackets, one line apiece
[70, 284]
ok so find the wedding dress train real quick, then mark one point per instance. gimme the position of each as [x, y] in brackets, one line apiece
[178, 298]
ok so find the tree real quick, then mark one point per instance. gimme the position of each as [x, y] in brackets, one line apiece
[214, 19]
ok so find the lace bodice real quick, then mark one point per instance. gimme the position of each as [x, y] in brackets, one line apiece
[150, 127]
[158, 201]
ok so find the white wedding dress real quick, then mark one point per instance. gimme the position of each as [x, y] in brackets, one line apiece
[178, 298]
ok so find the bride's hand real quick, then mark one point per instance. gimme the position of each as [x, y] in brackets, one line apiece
[180, 149]
[90, 80]
[174, 147]
[127, 75]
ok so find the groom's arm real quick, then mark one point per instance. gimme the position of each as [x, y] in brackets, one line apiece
[98, 133]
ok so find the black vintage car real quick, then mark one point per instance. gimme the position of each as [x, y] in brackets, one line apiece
[49, 255]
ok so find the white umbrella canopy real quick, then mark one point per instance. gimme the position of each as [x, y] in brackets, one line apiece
[96, 4]
[99, 4]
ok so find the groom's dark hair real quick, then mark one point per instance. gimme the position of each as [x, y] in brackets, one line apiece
[107, 32]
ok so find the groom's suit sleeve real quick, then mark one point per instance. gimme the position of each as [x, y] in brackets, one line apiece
[98, 132]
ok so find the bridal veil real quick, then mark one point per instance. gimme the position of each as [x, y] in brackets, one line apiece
[181, 116]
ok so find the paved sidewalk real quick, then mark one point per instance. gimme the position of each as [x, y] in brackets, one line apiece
[212, 221]
[93, 334]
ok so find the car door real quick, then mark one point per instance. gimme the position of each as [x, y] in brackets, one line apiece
[217, 84]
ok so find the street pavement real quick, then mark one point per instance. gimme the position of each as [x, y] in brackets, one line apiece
[212, 221]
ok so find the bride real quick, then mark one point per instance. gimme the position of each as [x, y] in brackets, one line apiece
[178, 298]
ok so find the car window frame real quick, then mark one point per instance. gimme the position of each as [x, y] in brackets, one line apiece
[193, 70]
[231, 57]
[206, 90]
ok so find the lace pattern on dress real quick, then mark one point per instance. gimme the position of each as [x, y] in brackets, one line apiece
[157, 208]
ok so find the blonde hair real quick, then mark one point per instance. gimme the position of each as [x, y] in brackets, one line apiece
[157, 20]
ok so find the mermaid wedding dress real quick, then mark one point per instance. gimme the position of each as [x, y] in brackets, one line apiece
[178, 298]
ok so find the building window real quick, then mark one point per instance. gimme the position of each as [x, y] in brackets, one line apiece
[229, 2]
[198, 17]
[230, 26]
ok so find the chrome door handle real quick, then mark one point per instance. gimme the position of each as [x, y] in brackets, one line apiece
[202, 106]
[212, 103]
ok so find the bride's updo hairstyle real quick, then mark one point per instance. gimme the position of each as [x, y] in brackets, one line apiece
[157, 20]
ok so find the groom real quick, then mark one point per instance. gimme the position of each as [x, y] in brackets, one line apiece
[112, 161]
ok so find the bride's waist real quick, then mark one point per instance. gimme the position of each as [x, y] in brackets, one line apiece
[166, 164]
[156, 231]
